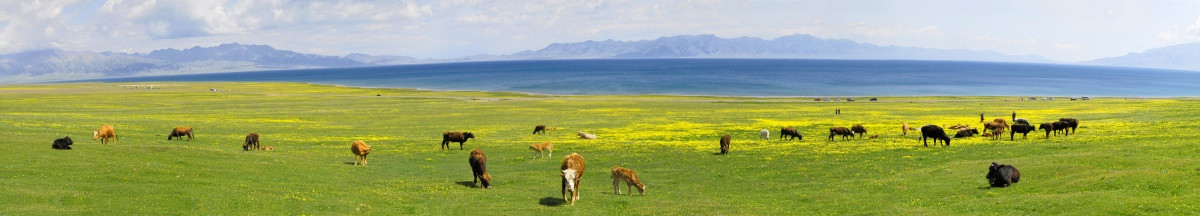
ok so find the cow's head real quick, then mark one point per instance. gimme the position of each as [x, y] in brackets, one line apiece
[569, 175]
[487, 181]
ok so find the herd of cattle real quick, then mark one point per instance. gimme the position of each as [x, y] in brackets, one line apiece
[994, 129]
[573, 165]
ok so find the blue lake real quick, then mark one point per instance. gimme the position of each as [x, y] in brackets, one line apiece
[742, 77]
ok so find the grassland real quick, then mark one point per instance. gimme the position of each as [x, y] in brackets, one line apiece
[1130, 156]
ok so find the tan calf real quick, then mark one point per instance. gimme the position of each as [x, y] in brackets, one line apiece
[105, 133]
[360, 150]
[630, 178]
[546, 146]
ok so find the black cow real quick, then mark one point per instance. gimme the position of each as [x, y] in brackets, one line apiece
[1061, 126]
[63, 143]
[1024, 129]
[791, 133]
[843, 131]
[1073, 123]
[935, 132]
[1002, 175]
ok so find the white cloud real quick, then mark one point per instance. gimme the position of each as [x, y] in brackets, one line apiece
[33, 25]
[453, 28]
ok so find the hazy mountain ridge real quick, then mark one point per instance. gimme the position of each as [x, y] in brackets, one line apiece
[1177, 57]
[263, 55]
[49, 65]
[792, 46]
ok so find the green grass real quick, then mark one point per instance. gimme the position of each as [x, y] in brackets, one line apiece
[1130, 156]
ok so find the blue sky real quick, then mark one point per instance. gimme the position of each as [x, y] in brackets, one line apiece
[1069, 30]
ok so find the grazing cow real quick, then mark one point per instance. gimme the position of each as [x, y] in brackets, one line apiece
[1073, 123]
[546, 146]
[539, 128]
[724, 145]
[989, 126]
[966, 133]
[251, 142]
[181, 132]
[904, 129]
[997, 132]
[360, 150]
[105, 133]
[1002, 175]
[859, 129]
[572, 171]
[62, 143]
[630, 178]
[766, 135]
[1061, 126]
[479, 169]
[1024, 129]
[935, 132]
[840, 131]
[1001, 121]
[455, 136]
[585, 135]
[791, 133]
[1048, 126]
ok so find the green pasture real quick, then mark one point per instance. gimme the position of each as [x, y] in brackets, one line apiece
[1129, 156]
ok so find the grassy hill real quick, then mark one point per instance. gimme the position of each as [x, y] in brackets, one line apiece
[1130, 156]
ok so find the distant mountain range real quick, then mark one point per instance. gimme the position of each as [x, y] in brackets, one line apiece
[1178, 57]
[51, 65]
[799, 46]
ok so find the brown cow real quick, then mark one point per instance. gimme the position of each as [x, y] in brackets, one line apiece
[455, 136]
[181, 132]
[958, 126]
[989, 126]
[630, 178]
[840, 131]
[251, 142]
[478, 163]
[1071, 122]
[539, 128]
[1048, 127]
[104, 133]
[360, 150]
[791, 133]
[724, 144]
[904, 129]
[859, 129]
[572, 171]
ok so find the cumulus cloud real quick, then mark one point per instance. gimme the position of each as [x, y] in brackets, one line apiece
[1179, 34]
[34, 24]
[167, 19]
[455, 28]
